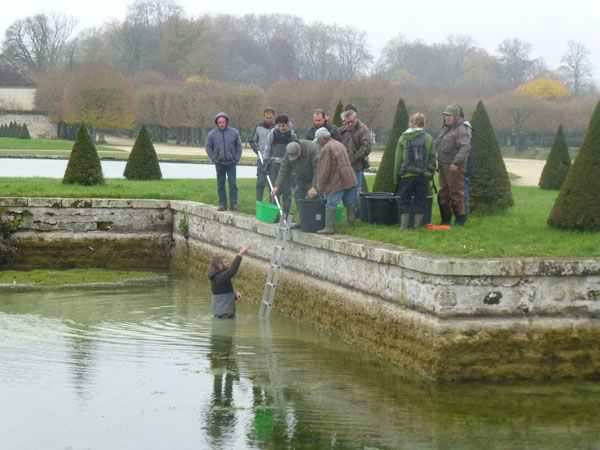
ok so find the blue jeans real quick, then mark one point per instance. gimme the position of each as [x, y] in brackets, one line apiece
[227, 171]
[359, 175]
[346, 196]
[466, 189]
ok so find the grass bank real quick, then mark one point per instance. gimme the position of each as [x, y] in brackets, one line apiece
[519, 232]
[36, 278]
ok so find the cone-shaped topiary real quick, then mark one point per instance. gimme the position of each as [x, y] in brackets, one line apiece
[489, 187]
[24, 132]
[337, 115]
[142, 163]
[578, 203]
[12, 128]
[3, 130]
[84, 164]
[384, 179]
[558, 163]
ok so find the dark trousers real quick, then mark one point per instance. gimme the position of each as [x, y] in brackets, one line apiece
[285, 190]
[261, 181]
[451, 195]
[227, 171]
[415, 186]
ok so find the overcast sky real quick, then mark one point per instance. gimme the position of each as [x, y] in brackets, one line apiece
[547, 25]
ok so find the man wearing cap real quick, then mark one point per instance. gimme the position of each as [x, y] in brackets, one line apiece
[301, 157]
[357, 138]
[453, 148]
[335, 178]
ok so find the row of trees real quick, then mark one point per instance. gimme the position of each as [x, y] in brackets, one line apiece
[14, 130]
[156, 35]
[104, 98]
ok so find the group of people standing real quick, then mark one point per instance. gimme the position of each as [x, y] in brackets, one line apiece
[330, 162]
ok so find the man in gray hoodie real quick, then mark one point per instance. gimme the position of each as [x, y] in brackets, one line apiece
[224, 148]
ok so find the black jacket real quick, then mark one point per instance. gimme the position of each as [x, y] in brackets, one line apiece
[220, 280]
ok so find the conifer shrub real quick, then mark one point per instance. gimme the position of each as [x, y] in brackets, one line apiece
[489, 187]
[84, 164]
[337, 115]
[142, 163]
[577, 206]
[558, 163]
[12, 126]
[3, 130]
[384, 179]
[24, 132]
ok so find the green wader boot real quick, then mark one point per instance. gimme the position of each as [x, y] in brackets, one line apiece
[351, 215]
[404, 221]
[330, 215]
[418, 221]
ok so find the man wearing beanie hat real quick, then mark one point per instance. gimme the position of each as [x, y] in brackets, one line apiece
[301, 157]
[453, 148]
[336, 179]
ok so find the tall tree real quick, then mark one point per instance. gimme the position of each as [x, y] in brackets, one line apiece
[578, 203]
[516, 63]
[384, 179]
[576, 66]
[37, 42]
[489, 187]
[558, 163]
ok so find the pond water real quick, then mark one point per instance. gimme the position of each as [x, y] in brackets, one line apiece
[148, 367]
[55, 168]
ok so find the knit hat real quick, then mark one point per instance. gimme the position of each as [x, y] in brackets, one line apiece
[322, 133]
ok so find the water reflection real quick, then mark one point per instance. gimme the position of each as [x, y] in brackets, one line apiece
[149, 367]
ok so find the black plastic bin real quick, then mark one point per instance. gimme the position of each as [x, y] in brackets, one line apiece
[363, 206]
[312, 214]
[383, 209]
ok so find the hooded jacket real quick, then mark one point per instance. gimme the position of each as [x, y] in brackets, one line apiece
[224, 146]
[358, 143]
[259, 138]
[454, 144]
[402, 146]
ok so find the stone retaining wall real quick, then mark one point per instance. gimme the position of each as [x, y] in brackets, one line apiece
[445, 318]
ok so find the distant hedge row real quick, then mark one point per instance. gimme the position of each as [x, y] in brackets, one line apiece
[14, 130]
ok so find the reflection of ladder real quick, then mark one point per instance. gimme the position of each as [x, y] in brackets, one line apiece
[283, 234]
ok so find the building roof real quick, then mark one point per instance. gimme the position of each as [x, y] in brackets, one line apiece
[12, 76]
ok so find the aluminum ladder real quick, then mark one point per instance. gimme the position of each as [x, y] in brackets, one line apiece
[283, 234]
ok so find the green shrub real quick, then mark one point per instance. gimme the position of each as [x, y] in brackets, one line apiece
[142, 163]
[578, 203]
[12, 129]
[337, 115]
[3, 130]
[24, 132]
[384, 179]
[489, 187]
[84, 164]
[558, 163]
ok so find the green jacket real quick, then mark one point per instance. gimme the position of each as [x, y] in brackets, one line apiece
[305, 167]
[402, 145]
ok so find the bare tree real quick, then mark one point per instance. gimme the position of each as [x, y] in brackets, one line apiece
[576, 66]
[37, 42]
[516, 62]
[351, 51]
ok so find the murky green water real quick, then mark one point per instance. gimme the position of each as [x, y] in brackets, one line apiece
[150, 368]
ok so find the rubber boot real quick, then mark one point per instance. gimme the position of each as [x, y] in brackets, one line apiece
[351, 215]
[418, 221]
[297, 225]
[446, 218]
[459, 221]
[330, 216]
[404, 221]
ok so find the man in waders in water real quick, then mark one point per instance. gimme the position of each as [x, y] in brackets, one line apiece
[223, 295]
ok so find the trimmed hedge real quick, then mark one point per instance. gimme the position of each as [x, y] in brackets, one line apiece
[142, 163]
[84, 164]
[558, 163]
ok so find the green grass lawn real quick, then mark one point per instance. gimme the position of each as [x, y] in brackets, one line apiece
[42, 277]
[519, 232]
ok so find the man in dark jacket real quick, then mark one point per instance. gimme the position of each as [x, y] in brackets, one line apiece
[453, 149]
[224, 148]
[357, 139]
[223, 295]
[301, 157]
[319, 121]
[257, 142]
[278, 139]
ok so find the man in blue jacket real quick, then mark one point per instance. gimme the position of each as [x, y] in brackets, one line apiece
[224, 148]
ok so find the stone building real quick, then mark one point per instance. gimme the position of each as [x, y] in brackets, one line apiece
[17, 101]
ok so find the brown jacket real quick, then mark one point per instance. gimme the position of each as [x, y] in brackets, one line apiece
[454, 145]
[358, 144]
[334, 172]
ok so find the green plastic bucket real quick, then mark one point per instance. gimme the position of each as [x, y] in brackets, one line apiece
[266, 212]
[338, 212]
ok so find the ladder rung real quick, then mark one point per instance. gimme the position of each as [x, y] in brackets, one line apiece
[270, 284]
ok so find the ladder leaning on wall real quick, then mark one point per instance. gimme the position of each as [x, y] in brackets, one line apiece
[283, 234]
